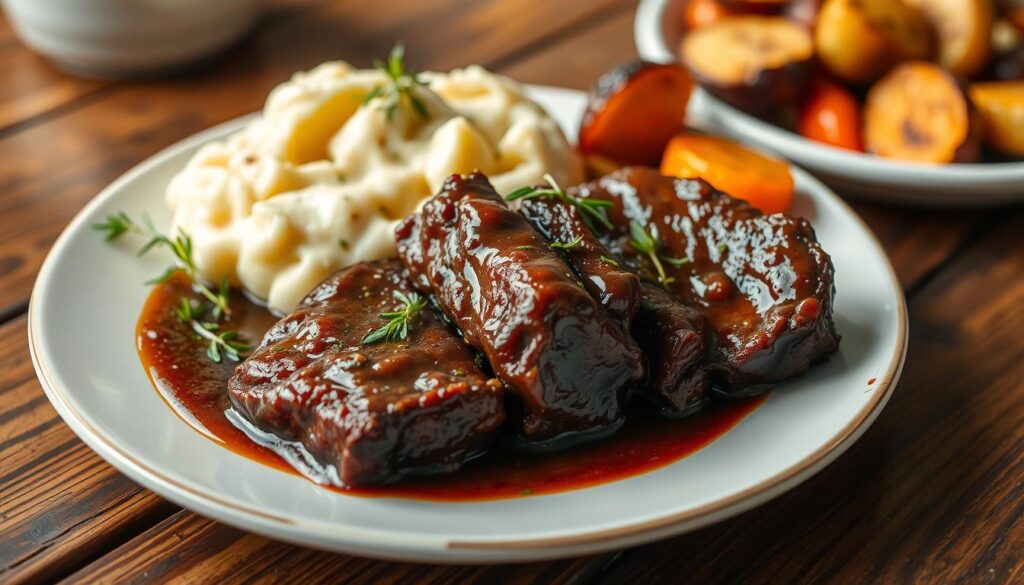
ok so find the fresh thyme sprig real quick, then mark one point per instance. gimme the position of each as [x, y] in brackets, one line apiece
[567, 245]
[397, 326]
[646, 242]
[592, 210]
[403, 83]
[220, 343]
[120, 223]
[610, 261]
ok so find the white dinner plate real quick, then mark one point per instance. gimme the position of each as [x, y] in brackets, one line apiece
[82, 323]
[658, 30]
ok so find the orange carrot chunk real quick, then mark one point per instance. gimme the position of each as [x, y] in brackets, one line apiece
[764, 182]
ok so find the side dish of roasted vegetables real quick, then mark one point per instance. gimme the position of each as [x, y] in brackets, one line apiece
[929, 81]
[636, 115]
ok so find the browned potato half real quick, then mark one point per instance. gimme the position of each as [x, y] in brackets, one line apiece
[919, 112]
[1001, 109]
[753, 62]
[859, 40]
[964, 30]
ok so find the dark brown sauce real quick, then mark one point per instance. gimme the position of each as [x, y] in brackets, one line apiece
[195, 388]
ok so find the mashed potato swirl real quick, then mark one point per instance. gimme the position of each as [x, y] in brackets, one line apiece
[320, 179]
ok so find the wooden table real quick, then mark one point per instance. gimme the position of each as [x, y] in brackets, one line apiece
[934, 491]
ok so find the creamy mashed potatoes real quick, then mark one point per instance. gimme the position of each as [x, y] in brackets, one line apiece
[319, 181]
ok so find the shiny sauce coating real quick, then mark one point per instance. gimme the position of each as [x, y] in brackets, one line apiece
[196, 389]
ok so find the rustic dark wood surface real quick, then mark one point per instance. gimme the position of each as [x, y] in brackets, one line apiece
[933, 492]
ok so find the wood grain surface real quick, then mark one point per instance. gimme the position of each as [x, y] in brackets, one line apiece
[933, 492]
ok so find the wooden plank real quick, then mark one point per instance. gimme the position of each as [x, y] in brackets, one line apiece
[933, 492]
[49, 172]
[192, 549]
[31, 85]
[60, 504]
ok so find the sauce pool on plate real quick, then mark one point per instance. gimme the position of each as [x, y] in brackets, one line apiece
[196, 389]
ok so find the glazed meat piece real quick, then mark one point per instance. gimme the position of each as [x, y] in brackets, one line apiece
[616, 288]
[762, 282]
[676, 340]
[671, 335]
[374, 411]
[565, 361]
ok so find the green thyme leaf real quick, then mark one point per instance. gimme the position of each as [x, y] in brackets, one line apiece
[402, 84]
[592, 210]
[567, 245]
[397, 327]
[611, 261]
[646, 242]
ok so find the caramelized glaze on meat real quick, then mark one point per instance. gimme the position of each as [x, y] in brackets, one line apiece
[376, 411]
[566, 362]
[762, 282]
[616, 288]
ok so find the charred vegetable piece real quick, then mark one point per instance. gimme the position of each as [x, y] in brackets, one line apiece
[859, 40]
[633, 111]
[701, 13]
[919, 112]
[964, 30]
[831, 115]
[412, 402]
[764, 182]
[753, 62]
[1000, 106]
[566, 363]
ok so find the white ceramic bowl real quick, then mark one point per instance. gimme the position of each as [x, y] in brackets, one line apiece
[658, 31]
[128, 37]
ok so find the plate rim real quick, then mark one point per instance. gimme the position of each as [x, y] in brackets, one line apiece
[402, 546]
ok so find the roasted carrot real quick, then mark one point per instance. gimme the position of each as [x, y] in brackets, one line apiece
[764, 182]
[831, 115]
[701, 13]
[634, 110]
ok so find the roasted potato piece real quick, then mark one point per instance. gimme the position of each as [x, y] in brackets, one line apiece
[964, 30]
[919, 112]
[753, 62]
[634, 110]
[701, 13]
[1000, 106]
[859, 40]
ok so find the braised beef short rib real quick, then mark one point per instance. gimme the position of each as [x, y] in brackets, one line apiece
[374, 411]
[762, 283]
[566, 363]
